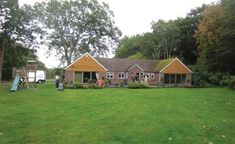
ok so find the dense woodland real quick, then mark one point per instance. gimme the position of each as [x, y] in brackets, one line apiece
[204, 39]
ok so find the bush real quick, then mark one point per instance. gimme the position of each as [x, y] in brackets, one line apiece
[69, 86]
[198, 79]
[78, 85]
[94, 86]
[228, 81]
[232, 83]
[215, 79]
[225, 82]
[82, 86]
[136, 85]
[123, 83]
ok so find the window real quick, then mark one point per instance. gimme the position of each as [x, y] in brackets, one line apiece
[121, 75]
[178, 78]
[126, 75]
[152, 75]
[147, 75]
[183, 79]
[175, 78]
[109, 75]
[172, 78]
[167, 78]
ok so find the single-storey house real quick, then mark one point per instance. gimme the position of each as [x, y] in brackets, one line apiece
[118, 70]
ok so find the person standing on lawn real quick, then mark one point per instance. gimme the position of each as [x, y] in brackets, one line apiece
[100, 82]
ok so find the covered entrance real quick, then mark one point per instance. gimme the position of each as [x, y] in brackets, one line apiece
[85, 77]
[175, 79]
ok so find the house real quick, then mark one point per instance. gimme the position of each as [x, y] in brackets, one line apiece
[115, 70]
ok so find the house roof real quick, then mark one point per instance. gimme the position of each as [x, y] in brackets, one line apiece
[119, 64]
[163, 63]
[122, 65]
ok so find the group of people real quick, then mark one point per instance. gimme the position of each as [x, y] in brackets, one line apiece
[136, 78]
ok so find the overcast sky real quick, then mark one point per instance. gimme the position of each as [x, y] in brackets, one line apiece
[135, 16]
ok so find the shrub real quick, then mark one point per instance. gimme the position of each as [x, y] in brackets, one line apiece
[82, 86]
[94, 86]
[107, 82]
[225, 82]
[123, 83]
[232, 83]
[228, 81]
[198, 79]
[136, 85]
[69, 86]
[215, 79]
[78, 85]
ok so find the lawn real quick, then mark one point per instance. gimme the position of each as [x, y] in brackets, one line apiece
[117, 116]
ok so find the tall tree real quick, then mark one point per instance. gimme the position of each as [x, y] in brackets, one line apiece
[72, 28]
[187, 50]
[13, 26]
[127, 47]
[167, 34]
[16, 55]
[228, 35]
[137, 45]
[208, 39]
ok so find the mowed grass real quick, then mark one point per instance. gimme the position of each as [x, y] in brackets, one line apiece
[117, 116]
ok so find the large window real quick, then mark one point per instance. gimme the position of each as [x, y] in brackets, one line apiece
[172, 78]
[183, 78]
[167, 78]
[175, 78]
[121, 75]
[109, 75]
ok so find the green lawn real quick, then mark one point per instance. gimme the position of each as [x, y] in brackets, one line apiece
[117, 116]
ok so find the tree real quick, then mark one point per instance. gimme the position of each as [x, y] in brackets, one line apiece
[228, 35]
[126, 47]
[134, 45]
[136, 56]
[187, 50]
[72, 28]
[208, 39]
[16, 55]
[167, 34]
[14, 25]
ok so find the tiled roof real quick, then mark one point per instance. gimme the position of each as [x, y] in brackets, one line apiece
[122, 65]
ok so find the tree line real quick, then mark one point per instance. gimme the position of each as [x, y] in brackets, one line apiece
[69, 28]
[203, 39]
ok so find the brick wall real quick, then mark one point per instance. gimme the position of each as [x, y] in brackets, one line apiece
[68, 76]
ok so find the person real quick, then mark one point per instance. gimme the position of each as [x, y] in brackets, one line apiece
[60, 86]
[100, 82]
[57, 81]
[136, 77]
[132, 77]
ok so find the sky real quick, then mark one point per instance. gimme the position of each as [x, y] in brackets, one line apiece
[135, 16]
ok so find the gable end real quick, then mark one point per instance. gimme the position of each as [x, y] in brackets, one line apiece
[91, 59]
[175, 66]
